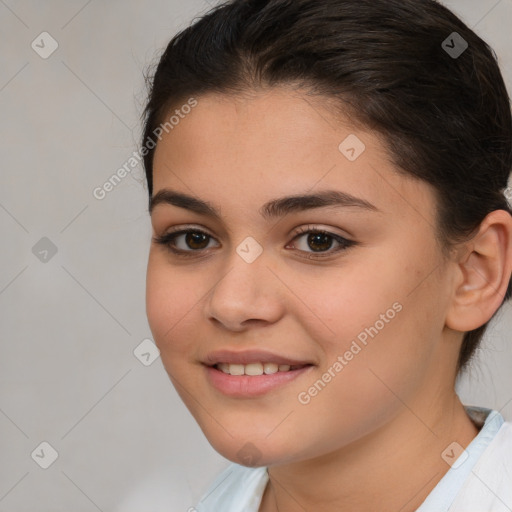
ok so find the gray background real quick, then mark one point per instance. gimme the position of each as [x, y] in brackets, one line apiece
[71, 322]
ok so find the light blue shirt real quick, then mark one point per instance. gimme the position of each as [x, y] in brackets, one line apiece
[479, 479]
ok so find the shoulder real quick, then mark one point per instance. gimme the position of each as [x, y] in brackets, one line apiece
[498, 455]
[234, 489]
[490, 482]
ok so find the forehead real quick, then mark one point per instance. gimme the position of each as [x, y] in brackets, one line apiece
[279, 142]
[273, 123]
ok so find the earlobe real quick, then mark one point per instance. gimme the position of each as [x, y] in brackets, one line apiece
[485, 271]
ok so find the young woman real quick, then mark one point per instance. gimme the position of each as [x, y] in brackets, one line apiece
[331, 238]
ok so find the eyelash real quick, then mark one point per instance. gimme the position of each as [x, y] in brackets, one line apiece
[168, 239]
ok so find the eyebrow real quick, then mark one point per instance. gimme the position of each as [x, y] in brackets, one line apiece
[272, 209]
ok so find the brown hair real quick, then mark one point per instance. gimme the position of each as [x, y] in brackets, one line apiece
[445, 118]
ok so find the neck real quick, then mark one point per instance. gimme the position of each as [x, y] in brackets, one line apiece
[393, 468]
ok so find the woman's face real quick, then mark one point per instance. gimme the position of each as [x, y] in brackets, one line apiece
[365, 311]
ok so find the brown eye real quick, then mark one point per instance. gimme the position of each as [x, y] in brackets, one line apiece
[316, 242]
[319, 241]
[185, 241]
[196, 240]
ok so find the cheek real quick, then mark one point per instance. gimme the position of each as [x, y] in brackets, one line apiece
[344, 303]
[170, 299]
[366, 313]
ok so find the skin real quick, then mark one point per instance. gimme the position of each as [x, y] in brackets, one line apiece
[372, 439]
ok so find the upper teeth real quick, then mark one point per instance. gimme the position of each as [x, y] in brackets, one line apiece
[254, 368]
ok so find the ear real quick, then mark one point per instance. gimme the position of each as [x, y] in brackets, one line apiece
[483, 273]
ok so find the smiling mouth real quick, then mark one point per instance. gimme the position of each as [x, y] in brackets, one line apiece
[255, 369]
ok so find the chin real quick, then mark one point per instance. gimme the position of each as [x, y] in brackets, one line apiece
[254, 451]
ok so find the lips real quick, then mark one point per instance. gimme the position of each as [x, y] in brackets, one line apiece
[251, 356]
[243, 386]
[238, 374]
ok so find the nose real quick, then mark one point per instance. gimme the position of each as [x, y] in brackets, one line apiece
[245, 294]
